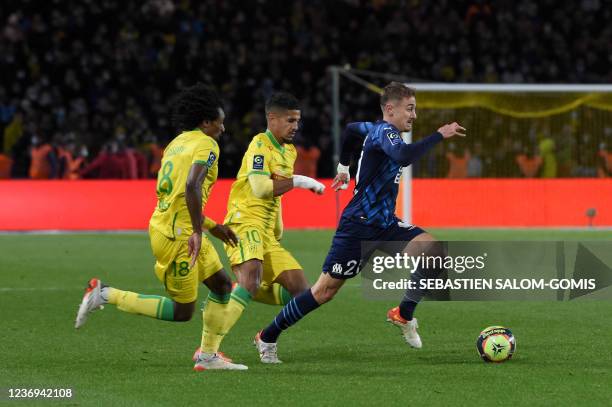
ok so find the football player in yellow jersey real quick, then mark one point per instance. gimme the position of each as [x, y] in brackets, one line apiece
[254, 210]
[184, 258]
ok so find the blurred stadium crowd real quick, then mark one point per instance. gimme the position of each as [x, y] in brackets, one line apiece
[86, 84]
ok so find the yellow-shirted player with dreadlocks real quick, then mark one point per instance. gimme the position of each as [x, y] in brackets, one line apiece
[260, 263]
[184, 258]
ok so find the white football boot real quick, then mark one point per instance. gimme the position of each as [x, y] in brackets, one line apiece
[92, 300]
[409, 328]
[267, 351]
[207, 361]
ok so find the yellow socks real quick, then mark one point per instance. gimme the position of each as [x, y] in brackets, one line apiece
[214, 316]
[222, 312]
[239, 299]
[154, 306]
[274, 294]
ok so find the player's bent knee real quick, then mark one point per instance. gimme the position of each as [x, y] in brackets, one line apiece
[249, 282]
[219, 283]
[183, 312]
[249, 274]
[225, 288]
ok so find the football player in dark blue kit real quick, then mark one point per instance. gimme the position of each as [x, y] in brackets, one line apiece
[369, 216]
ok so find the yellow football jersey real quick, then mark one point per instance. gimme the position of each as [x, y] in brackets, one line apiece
[264, 156]
[171, 216]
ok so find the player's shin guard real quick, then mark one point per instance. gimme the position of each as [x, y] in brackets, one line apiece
[273, 294]
[291, 313]
[214, 316]
[239, 300]
[154, 306]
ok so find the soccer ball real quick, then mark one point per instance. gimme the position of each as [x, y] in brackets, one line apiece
[496, 344]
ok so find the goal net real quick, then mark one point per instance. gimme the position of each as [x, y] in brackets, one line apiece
[513, 131]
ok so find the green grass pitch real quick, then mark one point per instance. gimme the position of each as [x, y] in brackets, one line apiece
[342, 354]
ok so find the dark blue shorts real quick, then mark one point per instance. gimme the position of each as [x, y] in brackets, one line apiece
[345, 257]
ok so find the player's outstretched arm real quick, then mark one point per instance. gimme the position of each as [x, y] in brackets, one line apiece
[263, 187]
[304, 182]
[406, 154]
[193, 197]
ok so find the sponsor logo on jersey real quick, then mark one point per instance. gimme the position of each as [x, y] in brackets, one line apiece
[258, 162]
[211, 159]
[393, 137]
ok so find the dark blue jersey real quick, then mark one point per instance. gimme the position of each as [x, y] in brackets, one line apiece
[352, 137]
[383, 156]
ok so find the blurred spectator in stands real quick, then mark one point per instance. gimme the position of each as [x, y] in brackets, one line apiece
[549, 159]
[478, 10]
[13, 132]
[566, 142]
[432, 165]
[43, 159]
[604, 162]
[458, 158]
[142, 164]
[84, 66]
[7, 107]
[504, 158]
[529, 163]
[153, 153]
[475, 164]
[307, 157]
[233, 151]
[586, 166]
[72, 159]
[111, 163]
[127, 159]
[5, 166]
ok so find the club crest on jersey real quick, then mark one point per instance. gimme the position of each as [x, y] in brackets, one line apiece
[393, 137]
[211, 159]
[258, 162]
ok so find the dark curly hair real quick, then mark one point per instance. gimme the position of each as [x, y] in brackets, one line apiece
[193, 105]
[282, 101]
